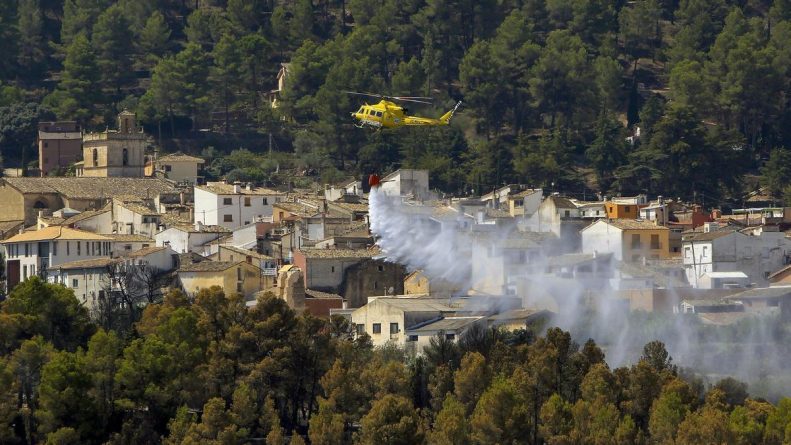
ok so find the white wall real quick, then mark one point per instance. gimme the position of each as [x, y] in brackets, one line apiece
[601, 237]
[101, 223]
[405, 182]
[211, 209]
[60, 251]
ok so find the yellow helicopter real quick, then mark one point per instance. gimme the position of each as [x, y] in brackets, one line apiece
[388, 114]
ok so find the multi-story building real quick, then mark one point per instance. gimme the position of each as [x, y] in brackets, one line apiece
[233, 205]
[59, 145]
[233, 276]
[115, 153]
[177, 167]
[627, 240]
[729, 258]
[32, 253]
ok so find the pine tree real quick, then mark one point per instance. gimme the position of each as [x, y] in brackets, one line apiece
[78, 92]
[154, 38]
[114, 48]
[33, 48]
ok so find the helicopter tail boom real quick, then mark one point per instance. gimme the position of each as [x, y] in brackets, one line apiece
[445, 119]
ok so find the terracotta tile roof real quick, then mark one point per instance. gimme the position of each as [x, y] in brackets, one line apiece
[94, 263]
[220, 188]
[56, 232]
[350, 206]
[251, 253]
[706, 236]
[85, 215]
[310, 293]
[121, 237]
[341, 253]
[634, 224]
[145, 251]
[92, 188]
[208, 266]
[6, 226]
[190, 228]
[179, 157]
[524, 193]
[562, 203]
[140, 209]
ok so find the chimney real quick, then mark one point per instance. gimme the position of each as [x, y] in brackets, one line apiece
[249, 186]
[198, 226]
[237, 188]
[660, 199]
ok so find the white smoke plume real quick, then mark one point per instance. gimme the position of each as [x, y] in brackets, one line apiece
[756, 350]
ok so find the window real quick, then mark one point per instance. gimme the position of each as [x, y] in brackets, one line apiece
[95, 157]
[247, 201]
[450, 336]
[227, 218]
[333, 269]
[265, 203]
[636, 241]
[381, 268]
[412, 338]
[227, 201]
[378, 114]
[78, 247]
[27, 249]
[54, 248]
[687, 252]
[125, 159]
[626, 209]
[376, 285]
[394, 328]
[766, 274]
[377, 328]
[46, 145]
[655, 242]
[24, 272]
[168, 168]
[567, 213]
[705, 250]
[360, 328]
[239, 273]
[239, 287]
[74, 283]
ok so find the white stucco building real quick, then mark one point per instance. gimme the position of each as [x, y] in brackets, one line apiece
[186, 238]
[32, 253]
[730, 258]
[233, 206]
[405, 182]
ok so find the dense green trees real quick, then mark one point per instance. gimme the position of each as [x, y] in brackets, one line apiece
[550, 89]
[209, 369]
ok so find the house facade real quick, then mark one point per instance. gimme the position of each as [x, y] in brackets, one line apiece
[714, 259]
[233, 206]
[59, 145]
[626, 239]
[232, 276]
[179, 167]
[33, 253]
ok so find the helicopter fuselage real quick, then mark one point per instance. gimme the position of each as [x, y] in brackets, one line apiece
[386, 114]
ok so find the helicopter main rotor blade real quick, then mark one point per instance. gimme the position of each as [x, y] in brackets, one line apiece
[410, 100]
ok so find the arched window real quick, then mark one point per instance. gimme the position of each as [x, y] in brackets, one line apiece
[95, 157]
[126, 157]
[40, 205]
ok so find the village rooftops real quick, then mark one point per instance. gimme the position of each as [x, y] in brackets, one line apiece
[417, 303]
[762, 293]
[190, 228]
[562, 203]
[524, 193]
[444, 324]
[56, 233]
[94, 263]
[311, 293]
[706, 236]
[220, 188]
[341, 253]
[250, 253]
[634, 224]
[208, 266]
[180, 157]
[92, 188]
[138, 208]
[129, 238]
[84, 215]
[145, 251]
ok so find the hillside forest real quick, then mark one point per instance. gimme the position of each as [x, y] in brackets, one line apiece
[210, 370]
[552, 89]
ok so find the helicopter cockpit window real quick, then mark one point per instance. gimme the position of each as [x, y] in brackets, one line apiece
[371, 112]
[378, 114]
